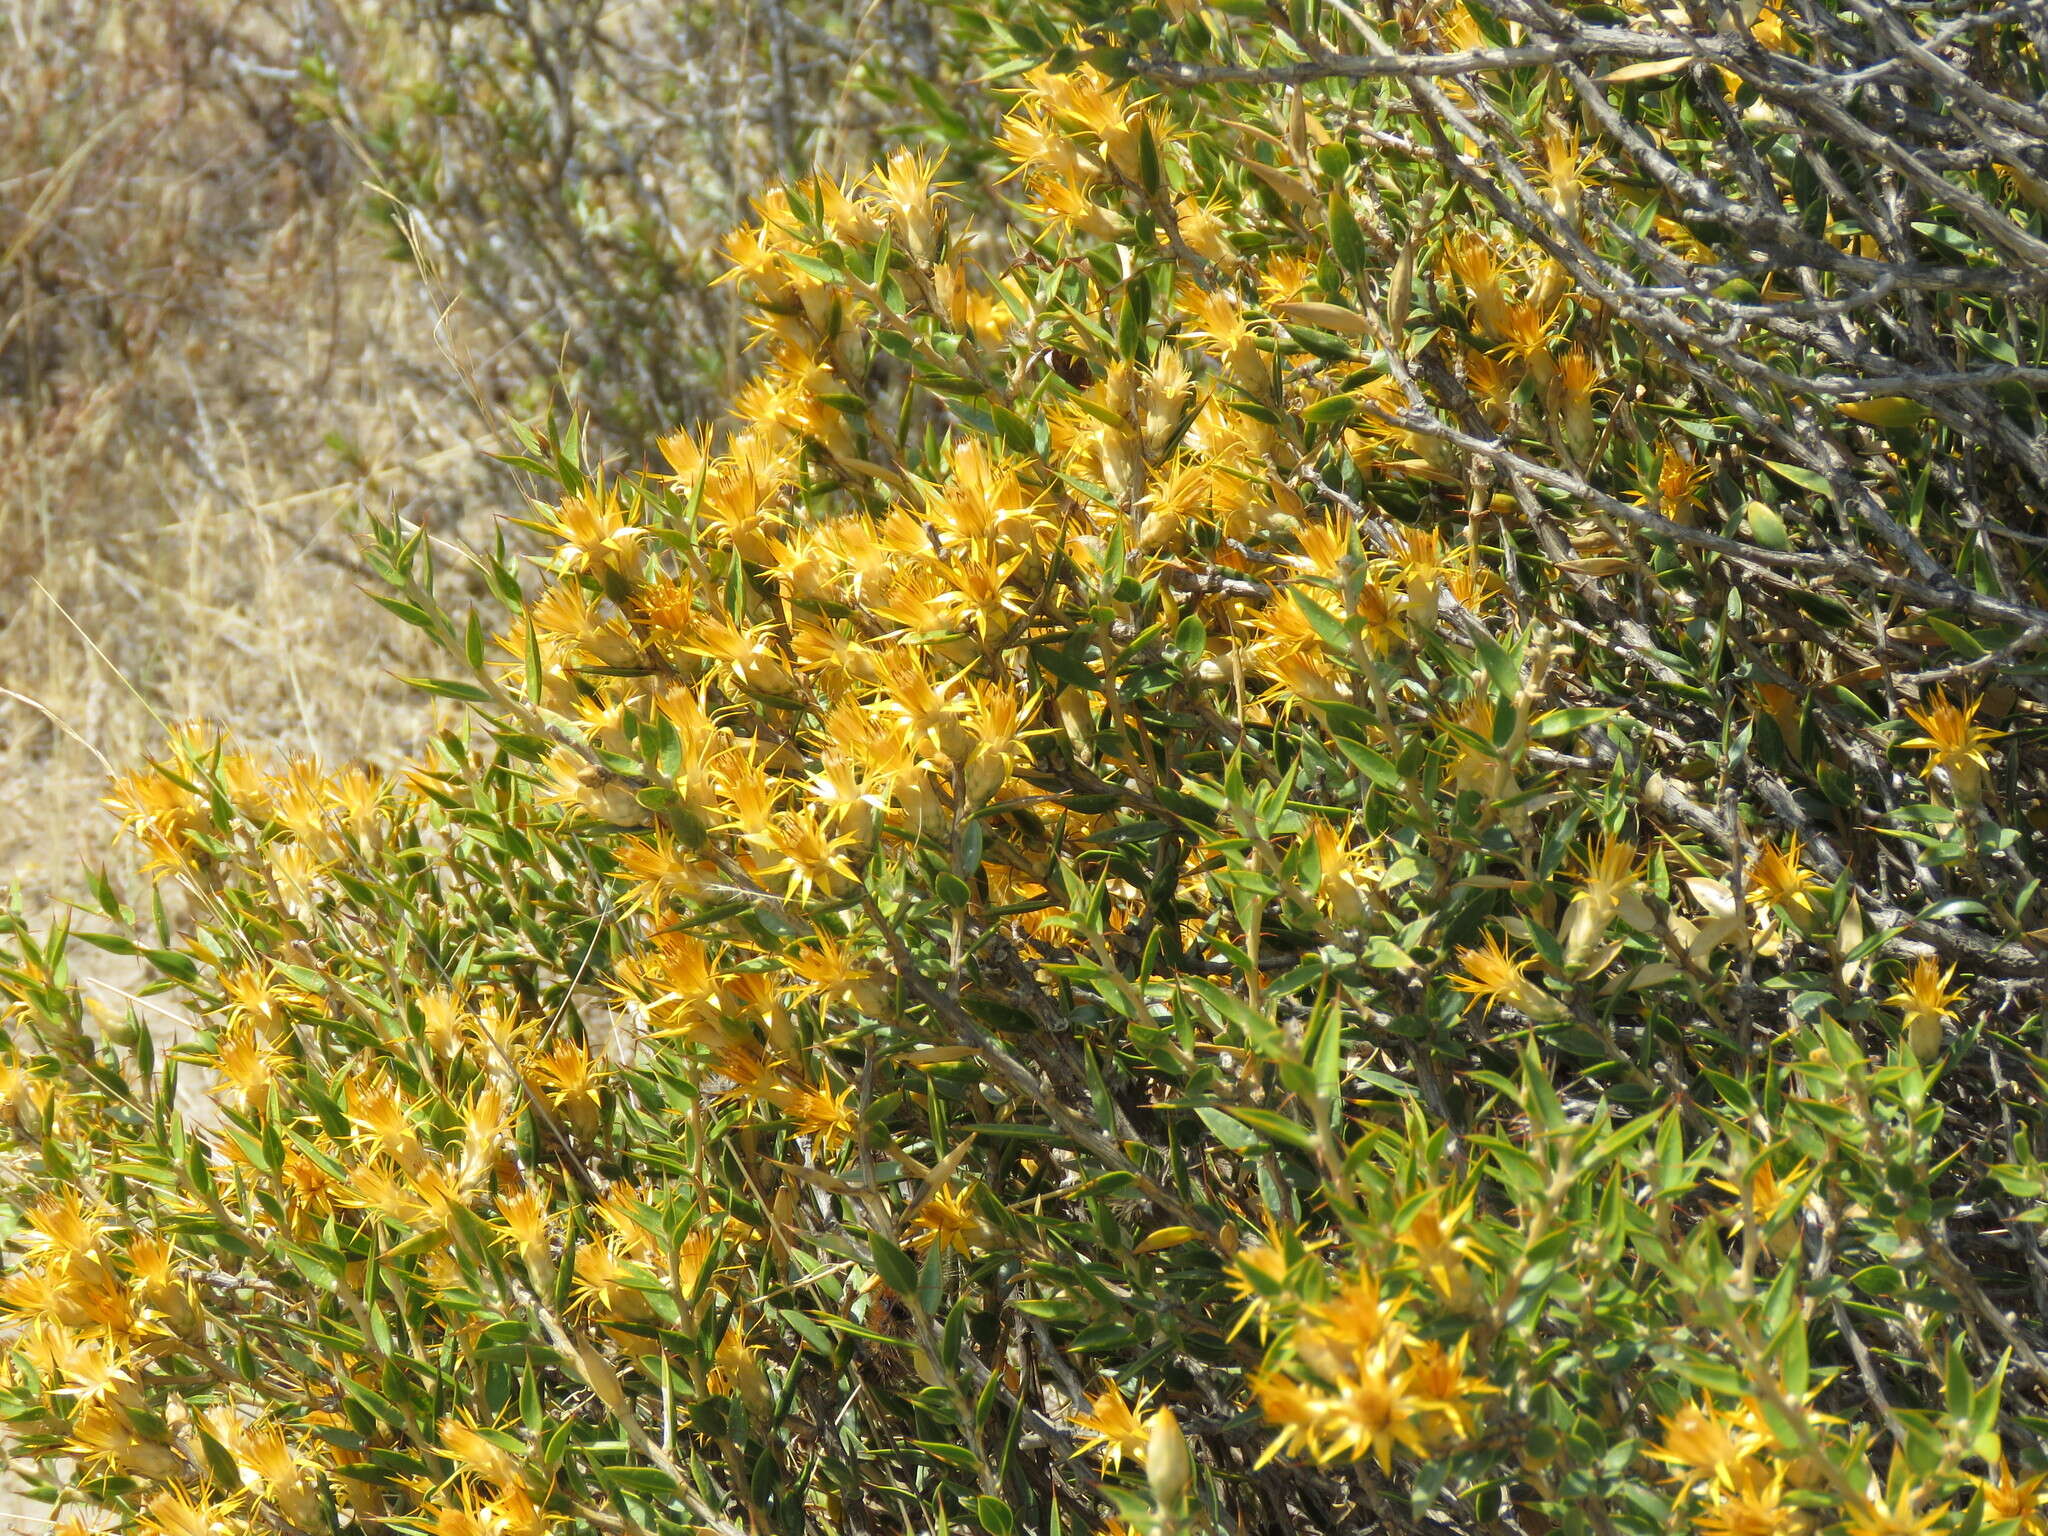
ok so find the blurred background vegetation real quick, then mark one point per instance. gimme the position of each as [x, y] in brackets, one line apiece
[264, 264]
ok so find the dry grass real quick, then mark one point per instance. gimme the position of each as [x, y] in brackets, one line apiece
[207, 362]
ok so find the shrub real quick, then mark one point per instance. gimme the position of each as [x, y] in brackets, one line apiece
[1267, 846]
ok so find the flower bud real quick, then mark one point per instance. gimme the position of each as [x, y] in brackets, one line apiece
[1166, 1460]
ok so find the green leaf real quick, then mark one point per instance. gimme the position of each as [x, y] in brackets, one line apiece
[952, 1455]
[1331, 410]
[1277, 1128]
[1502, 669]
[1369, 763]
[1569, 722]
[1324, 1050]
[1228, 1131]
[1321, 343]
[1805, 479]
[894, 1266]
[1258, 1031]
[1328, 627]
[1766, 527]
[1347, 240]
[448, 688]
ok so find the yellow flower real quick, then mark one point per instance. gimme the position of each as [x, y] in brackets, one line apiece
[749, 655]
[835, 975]
[576, 782]
[1894, 1516]
[1348, 874]
[658, 871]
[736, 1370]
[1478, 268]
[1578, 377]
[1035, 143]
[686, 453]
[1777, 878]
[1433, 1237]
[1678, 483]
[1287, 1404]
[383, 1126]
[809, 854]
[1374, 1411]
[825, 1115]
[571, 1078]
[64, 1234]
[1526, 338]
[1359, 1319]
[160, 1282]
[947, 1218]
[259, 994]
[906, 187]
[607, 1283]
[1491, 974]
[2009, 1498]
[104, 1437]
[284, 1474]
[480, 1452]
[95, 1373]
[1437, 1376]
[1204, 230]
[248, 1067]
[595, 529]
[1564, 169]
[1417, 562]
[996, 717]
[1925, 998]
[1113, 1426]
[1954, 743]
[180, 1514]
[1610, 875]
[1284, 279]
[1706, 1447]
[523, 1217]
[1769, 1196]
[1259, 1275]
[1753, 1504]
[160, 813]
[514, 1513]
[1062, 201]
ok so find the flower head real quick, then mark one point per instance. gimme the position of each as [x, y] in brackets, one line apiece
[1778, 878]
[2012, 1498]
[1490, 974]
[1926, 1000]
[1954, 744]
[947, 1219]
[1113, 1426]
[1755, 1503]
[1609, 877]
[1706, 1447]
